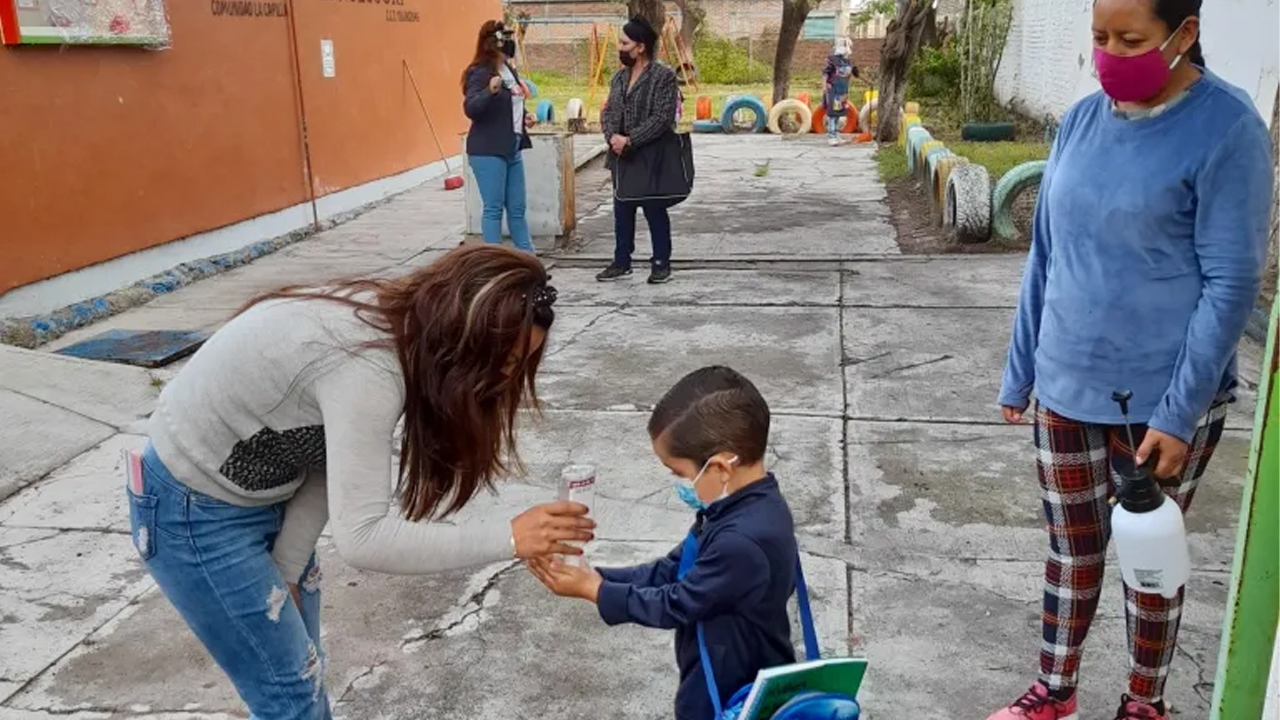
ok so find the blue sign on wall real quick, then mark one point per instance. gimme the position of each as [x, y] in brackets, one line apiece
[819, 27]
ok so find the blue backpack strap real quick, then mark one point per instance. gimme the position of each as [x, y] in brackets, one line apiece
[707, 671]
[811, 651]
[688, 556]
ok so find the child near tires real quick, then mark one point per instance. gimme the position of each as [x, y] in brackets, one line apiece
[837, 76]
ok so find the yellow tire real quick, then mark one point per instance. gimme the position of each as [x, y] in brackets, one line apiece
[941, 174]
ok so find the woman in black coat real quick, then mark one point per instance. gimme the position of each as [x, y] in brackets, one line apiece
[643, 101]
[495, 103]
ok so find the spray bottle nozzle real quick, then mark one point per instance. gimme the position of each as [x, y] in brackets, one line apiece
[1122, 398]
[1137, 490]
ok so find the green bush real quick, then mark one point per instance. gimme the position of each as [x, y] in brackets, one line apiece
[724, 62]
[935, 73]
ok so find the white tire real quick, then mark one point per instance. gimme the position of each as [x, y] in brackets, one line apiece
[968, 204]
[790, 105]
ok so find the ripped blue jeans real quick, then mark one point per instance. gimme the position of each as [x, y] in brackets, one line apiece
[213, 561]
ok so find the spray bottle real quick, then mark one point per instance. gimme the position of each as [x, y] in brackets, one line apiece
[1151, 539]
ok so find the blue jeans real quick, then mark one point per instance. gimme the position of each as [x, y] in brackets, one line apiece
[213, 562]
[624, 229]
[500, 181]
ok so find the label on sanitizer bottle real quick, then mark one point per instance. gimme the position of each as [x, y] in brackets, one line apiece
[577, 484]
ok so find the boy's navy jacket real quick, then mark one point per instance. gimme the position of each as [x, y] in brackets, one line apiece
[738, 589]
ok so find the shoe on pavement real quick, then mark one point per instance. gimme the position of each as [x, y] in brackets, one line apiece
[659, 274]
[1037, 704]
[1131, 709]
[833, 141]
[613, 272]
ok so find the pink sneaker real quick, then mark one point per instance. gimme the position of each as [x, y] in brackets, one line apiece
[1131, 709]
[1038, 705]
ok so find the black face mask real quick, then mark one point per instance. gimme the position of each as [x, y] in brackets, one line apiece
[625, 58]
[508, 48]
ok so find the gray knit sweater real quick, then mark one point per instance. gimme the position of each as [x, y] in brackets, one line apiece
[284, 405]
[643, 112]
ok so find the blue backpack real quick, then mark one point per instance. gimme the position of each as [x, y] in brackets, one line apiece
[805, 705]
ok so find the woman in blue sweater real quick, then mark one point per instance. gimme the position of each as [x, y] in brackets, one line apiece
[494, 100]
[1147, 252]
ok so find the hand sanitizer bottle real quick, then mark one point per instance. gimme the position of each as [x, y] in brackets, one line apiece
[1150, 536]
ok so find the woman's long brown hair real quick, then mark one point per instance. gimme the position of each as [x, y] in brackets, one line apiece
[461, 328]
[487, 51]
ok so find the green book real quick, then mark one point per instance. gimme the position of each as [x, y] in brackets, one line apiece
[775, 686]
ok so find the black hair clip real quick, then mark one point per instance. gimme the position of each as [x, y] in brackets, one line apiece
[545, 296]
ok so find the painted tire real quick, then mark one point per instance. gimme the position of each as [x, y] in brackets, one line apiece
[915, 163]
[987, 132]
[864, 115]
[804, 98]
[916, 136]
[931, 159]
[1013, 184]
[752, 104]
[968, 204]
[575, 110]
[940, 176]
[546, 111]
[531, 86]
[911, 108]
[908, 121]
[790, 106]
[820, 122]
[707, 126]
[702, 110]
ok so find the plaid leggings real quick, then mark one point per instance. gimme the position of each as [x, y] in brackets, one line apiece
[1075, 462]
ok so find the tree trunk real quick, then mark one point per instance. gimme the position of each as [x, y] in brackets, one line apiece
[652, 11]
[901, 44]
[691, 15]
[794, 13]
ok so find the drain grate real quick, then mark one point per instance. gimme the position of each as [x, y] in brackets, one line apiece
[143, 348]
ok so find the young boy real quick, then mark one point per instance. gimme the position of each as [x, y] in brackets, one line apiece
[711, 431]
[837, 76]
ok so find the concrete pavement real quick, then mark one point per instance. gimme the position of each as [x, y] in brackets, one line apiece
[918, 512]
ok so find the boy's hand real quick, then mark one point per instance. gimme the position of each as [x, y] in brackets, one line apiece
[565, 580]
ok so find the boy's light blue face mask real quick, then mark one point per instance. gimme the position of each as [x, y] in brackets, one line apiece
[687, 490]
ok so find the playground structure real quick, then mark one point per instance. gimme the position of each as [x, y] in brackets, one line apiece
[604, 45]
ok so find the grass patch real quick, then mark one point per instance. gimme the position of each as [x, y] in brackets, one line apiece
[892, 161]
[999, 157]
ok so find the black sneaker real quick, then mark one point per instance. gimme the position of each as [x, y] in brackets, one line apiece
[613, 272]
[659, 274]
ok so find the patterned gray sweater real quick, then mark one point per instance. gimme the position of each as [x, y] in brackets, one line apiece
[283, 405]
[644, 112]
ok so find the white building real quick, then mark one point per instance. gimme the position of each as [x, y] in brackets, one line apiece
[1048, 60]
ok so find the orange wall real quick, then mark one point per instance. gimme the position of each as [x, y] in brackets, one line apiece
[105, 151]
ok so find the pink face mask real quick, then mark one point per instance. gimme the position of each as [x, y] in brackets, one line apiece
[1134, 78]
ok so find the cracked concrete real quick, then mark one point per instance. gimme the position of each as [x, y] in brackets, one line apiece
[918, 513]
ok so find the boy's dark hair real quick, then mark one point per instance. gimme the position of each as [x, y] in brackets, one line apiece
[710, 411]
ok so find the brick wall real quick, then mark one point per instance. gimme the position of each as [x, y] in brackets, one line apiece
[734, 19]
[562, 46]
[571, 58]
